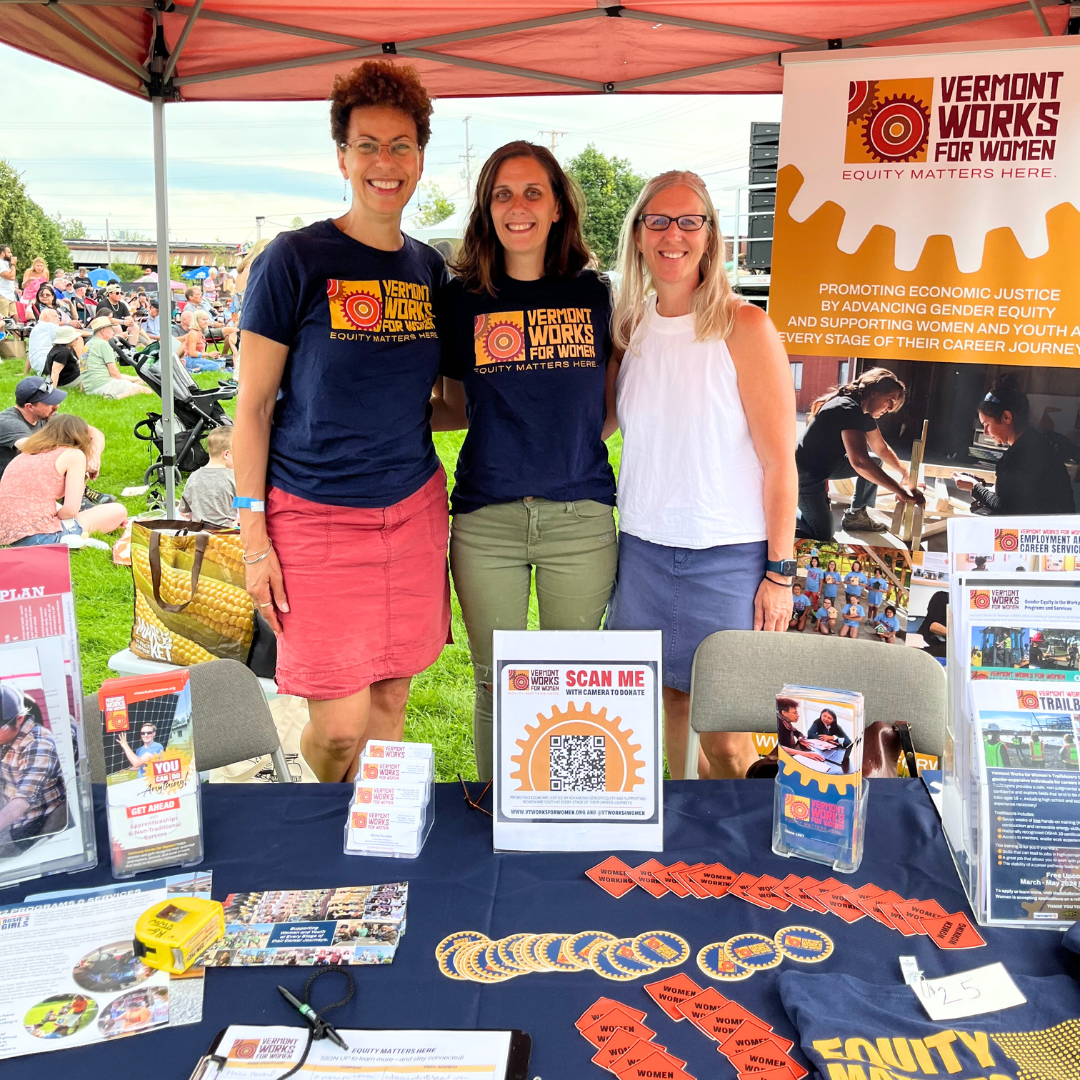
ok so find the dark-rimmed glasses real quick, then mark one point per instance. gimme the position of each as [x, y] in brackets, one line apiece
[661, 222]
[474, 804]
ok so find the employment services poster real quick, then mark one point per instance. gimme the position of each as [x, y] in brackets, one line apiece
[578, 759]
[928, 204]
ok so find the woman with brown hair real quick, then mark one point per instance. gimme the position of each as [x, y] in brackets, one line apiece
[840, 436]
[526, 345]
[343, 511]
[51, 468]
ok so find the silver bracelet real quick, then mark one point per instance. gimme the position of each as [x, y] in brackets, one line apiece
[249, 560]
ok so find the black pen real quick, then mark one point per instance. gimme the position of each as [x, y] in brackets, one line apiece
[321, 1027]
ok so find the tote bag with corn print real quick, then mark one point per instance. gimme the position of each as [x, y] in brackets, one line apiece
[190, 601]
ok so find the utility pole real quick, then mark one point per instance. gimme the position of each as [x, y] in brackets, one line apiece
[468, 156]
[108, 244]
[258, 228]
[554, 137]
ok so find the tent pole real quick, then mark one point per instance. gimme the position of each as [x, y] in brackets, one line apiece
[165, 354]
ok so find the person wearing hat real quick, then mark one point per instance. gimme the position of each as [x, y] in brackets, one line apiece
[33, 798]
[101, 377]
[35, 401]
[62, 364]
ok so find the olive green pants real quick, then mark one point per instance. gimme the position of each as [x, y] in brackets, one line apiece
[493, 552]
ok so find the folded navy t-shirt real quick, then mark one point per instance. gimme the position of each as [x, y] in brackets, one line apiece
[532, 360]
[849, 1028]
[351, 426]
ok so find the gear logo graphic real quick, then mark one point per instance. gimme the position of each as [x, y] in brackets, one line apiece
[518, 678]
[796, 807]
[1027, 699]
[576, 749]
[499, 338]
[860, 97]
[980, 599]
[355, 305]
[888, 121]
[1006, 539]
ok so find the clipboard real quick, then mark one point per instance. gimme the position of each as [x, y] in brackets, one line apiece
[517, 1061]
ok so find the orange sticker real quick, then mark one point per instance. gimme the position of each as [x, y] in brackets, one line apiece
[953, 932]
[601, 1007]
[611, 875]
[618, 1018]
[644, 877]
[670, 993]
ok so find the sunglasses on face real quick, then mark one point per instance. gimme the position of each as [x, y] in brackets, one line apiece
[661, 222]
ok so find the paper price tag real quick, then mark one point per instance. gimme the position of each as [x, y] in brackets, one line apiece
[971, 993]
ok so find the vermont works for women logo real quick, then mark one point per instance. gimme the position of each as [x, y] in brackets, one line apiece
[888, 120]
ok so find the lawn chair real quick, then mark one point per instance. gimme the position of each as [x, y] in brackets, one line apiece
[738, 673]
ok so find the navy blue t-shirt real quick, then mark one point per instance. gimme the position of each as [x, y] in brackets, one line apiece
[351, 425]
[850, 1028]
[532, 360]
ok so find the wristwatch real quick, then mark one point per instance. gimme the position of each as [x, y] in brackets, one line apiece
[783, 567]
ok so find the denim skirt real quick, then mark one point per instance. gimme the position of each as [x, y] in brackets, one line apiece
[686, 593]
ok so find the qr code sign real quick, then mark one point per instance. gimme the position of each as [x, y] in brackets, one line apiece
[578, 762]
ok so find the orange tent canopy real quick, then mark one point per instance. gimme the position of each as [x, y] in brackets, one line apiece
[260, 50]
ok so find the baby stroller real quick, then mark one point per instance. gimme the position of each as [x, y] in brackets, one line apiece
[196, 412]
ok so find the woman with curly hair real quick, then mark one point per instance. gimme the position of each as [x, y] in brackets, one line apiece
[343, 508]
[525, 355]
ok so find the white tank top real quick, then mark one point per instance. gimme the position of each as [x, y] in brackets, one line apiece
[689, 476]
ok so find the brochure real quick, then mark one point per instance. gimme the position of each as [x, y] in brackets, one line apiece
[578, 755]
[46, 811]
[819, 806]
[151, 782]
[359, 924]
[1010, 789]
[69, 975]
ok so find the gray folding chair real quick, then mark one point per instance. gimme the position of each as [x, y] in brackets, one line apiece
[231, 717]
[738, 673]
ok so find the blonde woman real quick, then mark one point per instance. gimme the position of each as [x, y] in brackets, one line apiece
[51, 469]
[707, 486]
[34, 276]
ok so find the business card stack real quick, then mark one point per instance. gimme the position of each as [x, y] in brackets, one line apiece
[392, 811]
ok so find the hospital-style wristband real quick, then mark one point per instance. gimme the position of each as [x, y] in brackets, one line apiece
[244, 503]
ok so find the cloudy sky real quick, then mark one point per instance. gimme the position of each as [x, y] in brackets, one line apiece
[85, 150]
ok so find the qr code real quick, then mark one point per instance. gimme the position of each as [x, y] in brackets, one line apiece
[578, 762]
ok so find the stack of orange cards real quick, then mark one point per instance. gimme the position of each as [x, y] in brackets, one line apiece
[755, 1051]
[712, 880]
[624, 1043]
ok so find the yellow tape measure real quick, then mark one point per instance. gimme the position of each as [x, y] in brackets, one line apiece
[173, 934]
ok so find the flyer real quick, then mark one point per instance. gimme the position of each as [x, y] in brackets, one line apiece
[359, 924]
[426, 1055]
[69, 975]
[151, 783]
[1009, 789]
[578, 753]
[819, 805]
[46, 812]
[1027, 736]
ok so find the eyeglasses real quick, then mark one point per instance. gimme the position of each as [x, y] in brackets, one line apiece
[661, 222]
[475, 804]
[399, 148]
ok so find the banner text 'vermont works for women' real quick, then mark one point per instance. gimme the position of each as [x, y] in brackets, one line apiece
[928, 204]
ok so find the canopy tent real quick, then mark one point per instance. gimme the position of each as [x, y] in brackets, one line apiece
[279, 50]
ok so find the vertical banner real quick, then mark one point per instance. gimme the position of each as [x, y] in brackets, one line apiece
[578, 756]
[928, 204]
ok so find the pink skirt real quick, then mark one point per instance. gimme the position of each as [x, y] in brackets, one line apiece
[368, 590]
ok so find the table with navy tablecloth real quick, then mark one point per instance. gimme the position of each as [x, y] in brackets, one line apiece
[290, 837]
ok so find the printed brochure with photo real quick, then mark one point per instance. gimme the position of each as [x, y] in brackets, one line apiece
[357, 924]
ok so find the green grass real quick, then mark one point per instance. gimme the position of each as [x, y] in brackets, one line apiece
[440, 705]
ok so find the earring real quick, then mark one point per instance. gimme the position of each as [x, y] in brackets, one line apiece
[345, 191]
